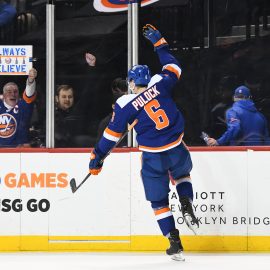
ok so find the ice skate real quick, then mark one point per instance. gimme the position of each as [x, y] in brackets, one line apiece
[188, 215]
[176, 249]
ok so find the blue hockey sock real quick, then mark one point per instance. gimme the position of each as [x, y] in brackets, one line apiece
[185, 189]
[165, 220]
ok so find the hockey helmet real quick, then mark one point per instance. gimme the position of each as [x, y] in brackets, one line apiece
[140, 74]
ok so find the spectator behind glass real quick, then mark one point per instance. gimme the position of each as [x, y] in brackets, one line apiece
[64, 105]
[15, 113]
[7, 13]
[245, 124]
[68, 124]
[119, 88]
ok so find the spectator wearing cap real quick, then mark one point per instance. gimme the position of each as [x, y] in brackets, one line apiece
[245, 124]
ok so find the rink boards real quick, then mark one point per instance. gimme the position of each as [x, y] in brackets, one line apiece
[38, 211]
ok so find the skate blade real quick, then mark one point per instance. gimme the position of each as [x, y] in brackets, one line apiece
[191, 225]
[178, 257]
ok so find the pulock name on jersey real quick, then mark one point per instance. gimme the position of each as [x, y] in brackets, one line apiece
[145, 97]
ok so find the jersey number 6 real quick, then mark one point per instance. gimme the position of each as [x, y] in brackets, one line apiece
[158, 116]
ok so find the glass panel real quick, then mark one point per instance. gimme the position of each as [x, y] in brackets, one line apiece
[236, 53]
[22, 23]
[91, 52]
[217, 55]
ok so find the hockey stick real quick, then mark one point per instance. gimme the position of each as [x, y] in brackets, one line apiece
[72, 182]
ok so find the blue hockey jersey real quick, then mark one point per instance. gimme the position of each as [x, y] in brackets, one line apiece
[14, 123]
[245, 125]
[160, 124]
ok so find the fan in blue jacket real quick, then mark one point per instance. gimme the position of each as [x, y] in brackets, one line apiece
[245, 124]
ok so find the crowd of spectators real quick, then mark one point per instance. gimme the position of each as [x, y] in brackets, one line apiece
[86, 91]
[236, 119]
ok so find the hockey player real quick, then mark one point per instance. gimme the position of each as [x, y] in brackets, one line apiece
[159, 130]
[15, 113]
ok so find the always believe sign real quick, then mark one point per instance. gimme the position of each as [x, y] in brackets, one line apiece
[15, 60]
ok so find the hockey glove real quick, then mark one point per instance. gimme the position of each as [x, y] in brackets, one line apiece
[96, 163]
[151, 33]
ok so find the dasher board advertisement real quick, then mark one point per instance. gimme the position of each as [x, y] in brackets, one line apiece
[38, 210]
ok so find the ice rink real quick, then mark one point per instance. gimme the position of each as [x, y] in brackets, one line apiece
[121, 261]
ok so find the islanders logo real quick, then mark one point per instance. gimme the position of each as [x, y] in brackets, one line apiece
[117, 5]
[8, 125]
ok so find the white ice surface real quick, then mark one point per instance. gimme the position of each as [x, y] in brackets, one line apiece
[121, 261]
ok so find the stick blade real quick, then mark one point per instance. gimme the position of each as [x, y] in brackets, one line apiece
[72, 184]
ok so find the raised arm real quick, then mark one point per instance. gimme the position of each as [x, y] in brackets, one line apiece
[169, 63]
[30, 89]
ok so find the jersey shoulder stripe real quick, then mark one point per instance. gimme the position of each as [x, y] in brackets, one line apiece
[174, 69]
[155, 79]
[125, 99]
